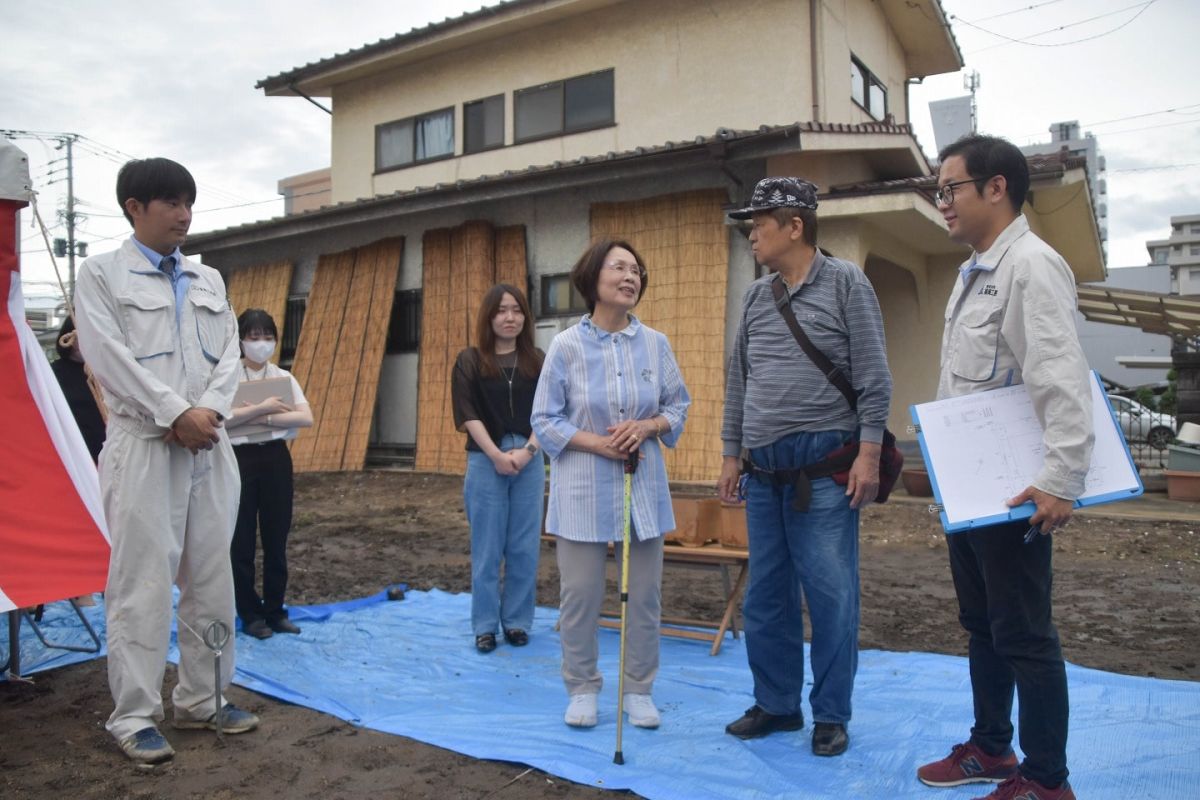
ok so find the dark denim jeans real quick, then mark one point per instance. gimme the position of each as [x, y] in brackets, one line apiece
[815, 552]
[1003, 588]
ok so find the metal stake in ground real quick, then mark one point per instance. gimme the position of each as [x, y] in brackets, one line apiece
[215, 637]
[631, 463]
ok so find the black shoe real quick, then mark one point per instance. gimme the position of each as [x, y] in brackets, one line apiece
[829, 739]
[283, 625]
[485, 642]
[258, 629]
[756, 722]
[516, 637]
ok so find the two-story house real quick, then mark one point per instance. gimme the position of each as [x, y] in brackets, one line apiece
[497, 144]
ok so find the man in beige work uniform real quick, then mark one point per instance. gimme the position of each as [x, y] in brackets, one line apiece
[159, 335]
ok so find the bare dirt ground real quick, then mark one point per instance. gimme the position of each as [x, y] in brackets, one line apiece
[1127, 600]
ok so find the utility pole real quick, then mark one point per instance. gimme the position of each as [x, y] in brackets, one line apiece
[62, 247]
[68, 141]
[971, 83]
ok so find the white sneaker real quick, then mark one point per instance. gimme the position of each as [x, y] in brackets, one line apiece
[641, 711]
[581, 711]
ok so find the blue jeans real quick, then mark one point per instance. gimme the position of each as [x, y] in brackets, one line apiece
[505, 515]
[815, 551]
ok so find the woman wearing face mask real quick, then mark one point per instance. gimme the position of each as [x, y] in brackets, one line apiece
[492, 388]
[266, 468]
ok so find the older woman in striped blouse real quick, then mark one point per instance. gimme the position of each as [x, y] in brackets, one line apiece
[610, 385]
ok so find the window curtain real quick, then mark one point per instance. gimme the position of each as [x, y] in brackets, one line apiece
[435, 135]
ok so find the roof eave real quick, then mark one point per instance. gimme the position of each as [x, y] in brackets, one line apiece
[925, 34]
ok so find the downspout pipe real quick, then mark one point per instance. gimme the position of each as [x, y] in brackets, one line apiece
[814, 51]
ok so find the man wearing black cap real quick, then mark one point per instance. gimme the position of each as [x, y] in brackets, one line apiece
[782, 410]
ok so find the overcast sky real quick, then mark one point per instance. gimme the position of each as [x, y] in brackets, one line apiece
[177, 79]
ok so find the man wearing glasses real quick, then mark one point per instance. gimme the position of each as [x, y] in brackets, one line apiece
[1011, 320]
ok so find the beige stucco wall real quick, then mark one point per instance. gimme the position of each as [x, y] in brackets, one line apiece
[683, 68]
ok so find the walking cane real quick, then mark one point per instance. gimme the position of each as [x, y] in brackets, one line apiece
[631, 463]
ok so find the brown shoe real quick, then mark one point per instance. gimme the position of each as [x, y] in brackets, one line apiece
[829, 739]
[283, 625]
[258, 629]
[756, 722]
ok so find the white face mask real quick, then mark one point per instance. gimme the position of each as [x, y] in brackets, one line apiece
[259, 350]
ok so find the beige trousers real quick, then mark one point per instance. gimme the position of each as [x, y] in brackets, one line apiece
[171, 517]
[581, 568]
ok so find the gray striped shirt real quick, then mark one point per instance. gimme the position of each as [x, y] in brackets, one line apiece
[772, 389]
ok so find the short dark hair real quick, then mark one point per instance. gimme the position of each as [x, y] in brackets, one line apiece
[586, 272]
[808, 216]
[256, 320]
[988, 156]
[149, 179]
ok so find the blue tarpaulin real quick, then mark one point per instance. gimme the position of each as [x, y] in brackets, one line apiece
[410, 668]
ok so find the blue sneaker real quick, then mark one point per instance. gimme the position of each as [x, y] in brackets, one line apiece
[233, 720]
[147, 746]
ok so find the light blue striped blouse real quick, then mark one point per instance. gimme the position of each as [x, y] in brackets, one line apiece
[592, 379]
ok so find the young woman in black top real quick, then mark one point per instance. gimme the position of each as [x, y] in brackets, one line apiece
[492, 389]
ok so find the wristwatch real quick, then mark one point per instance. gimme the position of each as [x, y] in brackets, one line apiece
[532, 448]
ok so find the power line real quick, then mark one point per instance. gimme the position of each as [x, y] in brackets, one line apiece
[1017, 10]
[1177, 110]
[1010, 40]
[1157, 167]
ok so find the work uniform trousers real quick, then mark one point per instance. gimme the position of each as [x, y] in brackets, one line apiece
[581, 568]
[505, 515]
[796, 557]
[1004, 591]
[170, 515]
[266, 510]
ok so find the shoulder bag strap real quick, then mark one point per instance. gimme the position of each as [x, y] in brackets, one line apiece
[783, 302]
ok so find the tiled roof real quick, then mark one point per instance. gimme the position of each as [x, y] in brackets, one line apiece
[283, 79]
[1038, 165]
[723, 136]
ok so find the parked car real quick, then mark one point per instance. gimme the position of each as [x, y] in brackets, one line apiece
[1141, 424]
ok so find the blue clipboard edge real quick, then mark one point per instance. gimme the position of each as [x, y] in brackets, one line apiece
[1026, 510]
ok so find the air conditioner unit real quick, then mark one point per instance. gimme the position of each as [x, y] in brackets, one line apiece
[546, 329]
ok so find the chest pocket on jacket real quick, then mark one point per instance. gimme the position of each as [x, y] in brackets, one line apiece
[149, 324]
[210, 312]
[978, 337]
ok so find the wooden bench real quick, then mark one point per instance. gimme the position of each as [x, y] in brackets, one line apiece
[708, 557]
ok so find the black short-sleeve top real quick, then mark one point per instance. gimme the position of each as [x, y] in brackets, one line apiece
[503, 403]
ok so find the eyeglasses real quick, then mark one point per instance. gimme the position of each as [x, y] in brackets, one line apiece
[945, 194]
[637, 270]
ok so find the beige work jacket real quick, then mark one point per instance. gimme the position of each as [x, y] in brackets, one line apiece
[152, 363]
[1013, 322]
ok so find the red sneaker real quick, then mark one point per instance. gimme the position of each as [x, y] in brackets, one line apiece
[968, 764]
[1019, 787]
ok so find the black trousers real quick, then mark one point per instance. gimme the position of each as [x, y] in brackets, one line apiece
[266, 507]
[1003, 588]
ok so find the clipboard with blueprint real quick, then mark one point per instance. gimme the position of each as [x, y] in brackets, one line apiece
[256, 392]
[981, 449]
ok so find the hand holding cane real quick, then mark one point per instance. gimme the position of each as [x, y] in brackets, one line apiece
[631, 463]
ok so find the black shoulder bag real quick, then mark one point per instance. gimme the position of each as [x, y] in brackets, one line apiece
[837, 464]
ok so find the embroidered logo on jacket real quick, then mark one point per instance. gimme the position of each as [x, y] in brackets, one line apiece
[989, 290]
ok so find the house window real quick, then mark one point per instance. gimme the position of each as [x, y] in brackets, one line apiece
[576, 104]
[410, 141]
[293, 321]
[483, 124]
[404, 328]
[1160, 255]
[867, 90]
[560, 297]
[1194, 250]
